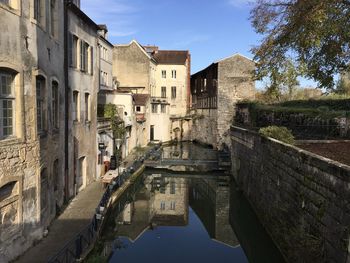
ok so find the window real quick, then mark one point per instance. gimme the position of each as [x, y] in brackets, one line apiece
[43, 192]
[162, 205]
[87, 107]
[6, 2]
[154, 108]
[173, 92]
[55, 172]
[84, 54]
[91, 60]
[138, 108]
[163, 108]
[172, 205]
[40, 103]
[205, 84]
[55, 105]
[53, 18]
[39, 11]
[173, 74]
[76, 106]
[7, 104]
[72, 50]
[163, 74]
[172, 187]
[163, 91]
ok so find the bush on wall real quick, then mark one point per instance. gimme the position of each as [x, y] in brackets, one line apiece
[279, 133]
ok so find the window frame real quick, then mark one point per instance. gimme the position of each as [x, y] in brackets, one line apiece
[40, 98]
[163, 91]
[55, 104]
[9, 97]
[173, 92]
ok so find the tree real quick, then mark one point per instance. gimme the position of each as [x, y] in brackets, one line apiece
[343, 85]
[313, 34]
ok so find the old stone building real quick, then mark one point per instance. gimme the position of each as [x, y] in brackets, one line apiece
[31, 121]
[83, 84]
[215, 90]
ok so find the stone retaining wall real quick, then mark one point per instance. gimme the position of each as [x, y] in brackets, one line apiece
[302, 199]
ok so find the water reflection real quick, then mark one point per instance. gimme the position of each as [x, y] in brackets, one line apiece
[184, 218]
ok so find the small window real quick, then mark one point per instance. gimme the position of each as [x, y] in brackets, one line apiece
[91, 61]
[40, 103]
[53, 18]
[76, 106]
[163, 92]
[55, 105]
[173, 74]
[87, 107]
[56, 173]
[138, 108]
[162, 205]
[163, 108]
[173, 92]
[44, 185]
[172, 187]
[163, 74]
[84, 55]
[154, 108]
[172, 205]
[7, 191]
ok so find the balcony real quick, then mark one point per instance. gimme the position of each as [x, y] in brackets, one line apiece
[162, 100]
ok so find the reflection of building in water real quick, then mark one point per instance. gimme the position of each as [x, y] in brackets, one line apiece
[168, 200]
[134, 219]
[192, 151]
[211, 202]
[164, 201]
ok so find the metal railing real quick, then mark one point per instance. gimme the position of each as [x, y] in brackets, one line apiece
[82, 242]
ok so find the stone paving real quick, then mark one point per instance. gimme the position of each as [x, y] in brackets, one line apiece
[75, 217]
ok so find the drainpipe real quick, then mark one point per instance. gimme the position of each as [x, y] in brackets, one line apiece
[66, 103]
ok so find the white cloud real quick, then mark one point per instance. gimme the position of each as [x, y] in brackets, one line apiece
[118, 15]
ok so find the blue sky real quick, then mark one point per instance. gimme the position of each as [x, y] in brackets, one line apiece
[209, 29]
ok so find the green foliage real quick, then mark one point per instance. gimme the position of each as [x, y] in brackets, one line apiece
[314, 34]
[110, 110]
[343, 86]
[279, 133]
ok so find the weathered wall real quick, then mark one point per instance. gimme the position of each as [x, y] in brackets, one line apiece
[301, 198]
[204, 126]
[34, 50]
[133, 67]
[235, 83]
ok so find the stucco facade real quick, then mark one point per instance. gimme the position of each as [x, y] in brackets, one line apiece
[83, 87]
[32, 121]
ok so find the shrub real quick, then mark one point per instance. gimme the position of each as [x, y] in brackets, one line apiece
[279, 133]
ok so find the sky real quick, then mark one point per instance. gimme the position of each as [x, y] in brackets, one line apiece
[209, 29]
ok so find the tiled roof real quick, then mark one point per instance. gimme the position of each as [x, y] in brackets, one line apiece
[171, 57]
[140, 99]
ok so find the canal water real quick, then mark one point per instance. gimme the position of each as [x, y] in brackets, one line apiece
[169, 216]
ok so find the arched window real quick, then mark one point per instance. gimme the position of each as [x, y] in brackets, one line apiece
[8, 209]
[55, 172]
[44, 185]
[7, 103]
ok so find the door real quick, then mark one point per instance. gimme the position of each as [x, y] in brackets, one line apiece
[152, 133]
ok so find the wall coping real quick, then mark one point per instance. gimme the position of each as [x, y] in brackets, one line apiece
[312, 156]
